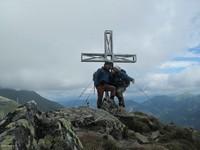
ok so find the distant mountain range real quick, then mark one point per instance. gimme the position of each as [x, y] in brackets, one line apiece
[182, 110]
[23, 96]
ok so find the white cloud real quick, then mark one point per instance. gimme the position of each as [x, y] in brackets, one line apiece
[165, 83]
[178, 64]
[189, 78]
[41, 41]
[191, 55]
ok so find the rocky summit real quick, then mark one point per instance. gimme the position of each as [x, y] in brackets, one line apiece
[109, 128]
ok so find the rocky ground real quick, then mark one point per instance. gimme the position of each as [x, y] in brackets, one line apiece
[91, 129]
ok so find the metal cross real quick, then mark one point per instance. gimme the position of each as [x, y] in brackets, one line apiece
[108, 55]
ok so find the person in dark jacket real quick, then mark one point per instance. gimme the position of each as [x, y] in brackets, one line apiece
[121, 81]
[102, 82]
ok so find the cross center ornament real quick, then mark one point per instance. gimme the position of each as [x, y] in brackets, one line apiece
[108, 54]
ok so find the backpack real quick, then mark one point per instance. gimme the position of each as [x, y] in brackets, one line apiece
[95, 77]
[125, 78]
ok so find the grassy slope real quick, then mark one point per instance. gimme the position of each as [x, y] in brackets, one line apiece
[6, 105]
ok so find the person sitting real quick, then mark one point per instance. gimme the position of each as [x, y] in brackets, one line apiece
[102, 82]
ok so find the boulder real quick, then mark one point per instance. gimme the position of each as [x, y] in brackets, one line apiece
[96, 120]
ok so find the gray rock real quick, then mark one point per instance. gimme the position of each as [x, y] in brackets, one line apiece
[155, 135]
[95, 120]
[29, 129]
[141, 138]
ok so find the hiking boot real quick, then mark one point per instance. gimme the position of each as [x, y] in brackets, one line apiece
[122, 109]
[99, 103]
[121, 105]
[121, 102]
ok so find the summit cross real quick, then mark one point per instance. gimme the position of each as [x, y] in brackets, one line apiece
[108, 54]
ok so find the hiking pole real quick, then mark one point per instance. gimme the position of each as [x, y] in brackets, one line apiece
[83, 91]
[142, 91]
[87, 100]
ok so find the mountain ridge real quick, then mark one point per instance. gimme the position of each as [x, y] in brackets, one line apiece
[182, 110]
[23, 96]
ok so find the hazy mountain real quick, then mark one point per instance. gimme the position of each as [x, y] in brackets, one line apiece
[76, 102]
[6, 105]
[23, 96]
[182, 110]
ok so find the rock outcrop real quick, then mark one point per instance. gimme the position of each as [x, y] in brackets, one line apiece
[119, 130]
[91, 129]
[29, 129]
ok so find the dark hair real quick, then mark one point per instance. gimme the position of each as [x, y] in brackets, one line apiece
[108, 63]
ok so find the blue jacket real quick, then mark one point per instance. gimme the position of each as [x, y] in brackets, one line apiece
[101, 76]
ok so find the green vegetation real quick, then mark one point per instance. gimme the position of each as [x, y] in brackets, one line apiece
[6, 106]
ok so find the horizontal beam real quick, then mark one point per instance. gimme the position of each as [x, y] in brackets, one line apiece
[99, 57]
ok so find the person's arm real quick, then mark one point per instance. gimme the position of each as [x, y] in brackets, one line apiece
[133, 81]
[127, 77]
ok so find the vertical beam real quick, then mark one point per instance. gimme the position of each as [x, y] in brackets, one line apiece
[108, 44]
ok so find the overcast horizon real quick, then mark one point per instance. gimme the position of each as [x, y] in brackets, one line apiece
[41, 44]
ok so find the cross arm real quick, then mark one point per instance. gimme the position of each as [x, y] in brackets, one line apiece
[92, 57]
[99, 57]
[125, 58]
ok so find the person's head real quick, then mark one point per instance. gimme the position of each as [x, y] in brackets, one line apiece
[108, 65]
[116, 69]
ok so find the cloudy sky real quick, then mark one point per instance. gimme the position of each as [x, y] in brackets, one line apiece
[41, 42]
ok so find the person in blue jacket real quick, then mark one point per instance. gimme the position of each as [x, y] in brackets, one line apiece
[121, 81]
[102, 82]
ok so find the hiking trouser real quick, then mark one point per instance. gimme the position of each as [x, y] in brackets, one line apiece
[100, 91]
[119, 94]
